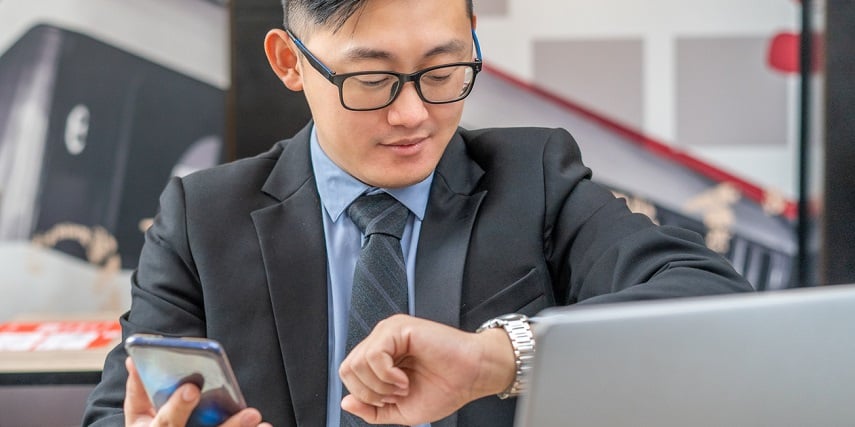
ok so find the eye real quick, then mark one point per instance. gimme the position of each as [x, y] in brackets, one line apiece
[438, 78]
[374, 80]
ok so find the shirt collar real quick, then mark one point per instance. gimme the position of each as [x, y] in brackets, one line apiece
[338, 189]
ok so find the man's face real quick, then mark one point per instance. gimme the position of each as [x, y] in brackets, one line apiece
[402, 143]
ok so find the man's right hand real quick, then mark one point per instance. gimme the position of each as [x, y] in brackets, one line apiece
[139, 411]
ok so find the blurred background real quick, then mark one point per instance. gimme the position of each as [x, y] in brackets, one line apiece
[731, 118]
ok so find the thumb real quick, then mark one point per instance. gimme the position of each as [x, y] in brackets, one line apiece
[386, 414]
[362, 410]
[180, 405]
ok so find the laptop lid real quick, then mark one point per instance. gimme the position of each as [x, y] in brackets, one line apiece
[783, 358]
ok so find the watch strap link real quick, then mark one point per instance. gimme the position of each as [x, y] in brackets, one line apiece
[519, 332]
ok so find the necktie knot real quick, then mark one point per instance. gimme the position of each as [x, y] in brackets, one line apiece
[378, 213]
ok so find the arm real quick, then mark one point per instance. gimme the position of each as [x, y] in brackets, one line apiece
[166, 300]
[598, 251]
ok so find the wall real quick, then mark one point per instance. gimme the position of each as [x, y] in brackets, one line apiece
[692, 74]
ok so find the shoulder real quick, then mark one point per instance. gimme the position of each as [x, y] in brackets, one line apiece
[520, 145]
[232, 186]
[247, 170]
[514, 135]
[517, 140]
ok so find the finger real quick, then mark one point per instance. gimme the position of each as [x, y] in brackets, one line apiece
[177, 409]
[392, 378]
[358, 389]
[137, 403]
[373, 373]
[249, 417]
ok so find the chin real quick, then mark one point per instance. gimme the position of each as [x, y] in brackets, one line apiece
[398, 181]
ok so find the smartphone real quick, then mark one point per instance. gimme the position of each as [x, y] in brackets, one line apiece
[165, 363]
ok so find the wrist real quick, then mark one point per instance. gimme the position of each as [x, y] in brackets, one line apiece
[497, 368]
[511, 353]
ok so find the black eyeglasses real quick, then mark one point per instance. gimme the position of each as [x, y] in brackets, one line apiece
[373, 90]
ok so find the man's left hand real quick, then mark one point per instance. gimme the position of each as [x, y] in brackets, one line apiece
[413, 371]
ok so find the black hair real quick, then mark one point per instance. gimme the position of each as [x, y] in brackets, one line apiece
[332, 13]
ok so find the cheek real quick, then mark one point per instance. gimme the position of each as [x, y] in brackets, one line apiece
[354, 133]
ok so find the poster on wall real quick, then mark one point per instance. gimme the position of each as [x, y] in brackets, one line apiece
[101, 102]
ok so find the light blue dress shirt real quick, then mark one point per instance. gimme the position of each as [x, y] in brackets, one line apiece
[337, 190]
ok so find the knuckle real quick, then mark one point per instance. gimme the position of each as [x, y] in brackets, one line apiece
[374, 357]
[366, 396]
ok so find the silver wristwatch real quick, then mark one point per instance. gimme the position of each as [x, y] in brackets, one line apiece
[519, 331]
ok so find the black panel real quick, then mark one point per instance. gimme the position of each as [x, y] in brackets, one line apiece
[117, 127]
[49, 378]
[261, 109]
[838, 264]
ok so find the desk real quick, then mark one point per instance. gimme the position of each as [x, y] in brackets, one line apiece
[41, 383]
[40, 286]
[43, 350]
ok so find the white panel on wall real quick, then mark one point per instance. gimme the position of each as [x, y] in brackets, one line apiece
[603, 74]
[726, 95]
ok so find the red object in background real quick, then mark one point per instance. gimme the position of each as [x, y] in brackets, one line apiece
[747, 189]
[784, 53]
[58, 335]
[785, 49]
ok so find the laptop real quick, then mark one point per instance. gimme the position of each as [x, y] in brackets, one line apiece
[784, 358]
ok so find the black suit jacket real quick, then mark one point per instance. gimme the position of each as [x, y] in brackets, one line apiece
[513, 224]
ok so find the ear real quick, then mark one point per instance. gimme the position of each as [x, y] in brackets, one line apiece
[474, 21]
[283, 59]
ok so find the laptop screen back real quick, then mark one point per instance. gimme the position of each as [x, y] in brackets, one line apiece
[774, 359]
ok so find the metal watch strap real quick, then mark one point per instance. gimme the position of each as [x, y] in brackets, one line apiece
[519, 331]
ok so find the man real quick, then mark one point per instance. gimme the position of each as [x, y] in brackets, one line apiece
[260, 254]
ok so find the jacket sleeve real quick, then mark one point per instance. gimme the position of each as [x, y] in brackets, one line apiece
[599, 251]
[166, 300]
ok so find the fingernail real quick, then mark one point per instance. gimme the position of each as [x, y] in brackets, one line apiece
[390, 400]
[401, 392]
[188, 394]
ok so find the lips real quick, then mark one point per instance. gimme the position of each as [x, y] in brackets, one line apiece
[408, 147]
[405, 142]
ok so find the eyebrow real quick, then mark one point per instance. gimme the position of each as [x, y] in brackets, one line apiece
[364, 53]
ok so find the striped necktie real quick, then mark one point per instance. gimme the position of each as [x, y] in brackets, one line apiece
[380, 277]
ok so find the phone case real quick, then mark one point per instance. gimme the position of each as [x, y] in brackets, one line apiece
[165, 363]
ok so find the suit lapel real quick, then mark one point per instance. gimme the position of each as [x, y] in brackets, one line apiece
[292, 245]
[444, 240]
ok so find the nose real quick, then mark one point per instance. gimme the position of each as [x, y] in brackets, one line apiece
[408, 109]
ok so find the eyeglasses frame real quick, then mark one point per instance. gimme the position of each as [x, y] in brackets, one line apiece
[403, 78]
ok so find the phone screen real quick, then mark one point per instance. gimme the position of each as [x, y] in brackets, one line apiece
[164, 364]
